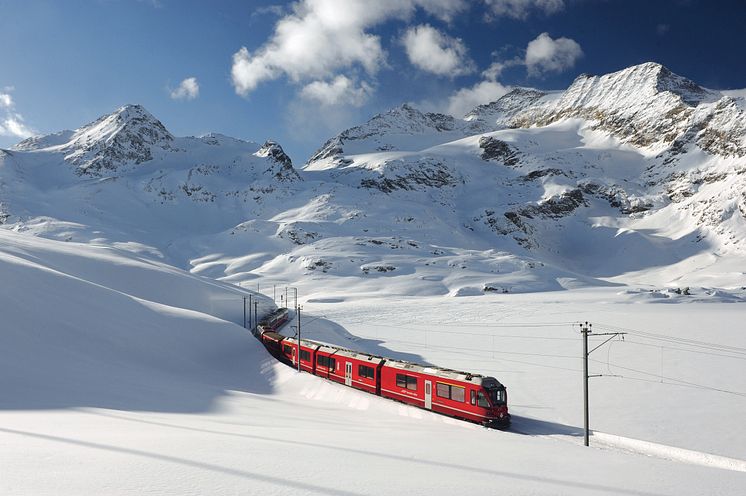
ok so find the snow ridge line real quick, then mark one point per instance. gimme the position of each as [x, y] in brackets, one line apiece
[671, 452]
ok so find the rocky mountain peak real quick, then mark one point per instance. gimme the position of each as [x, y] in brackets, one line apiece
[500, 112]
[648, 79]
[646, 105]
[126, 121]
[128, 135]
[404, 120]
[283, 169]
[273, 150]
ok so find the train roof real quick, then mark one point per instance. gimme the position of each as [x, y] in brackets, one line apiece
[337, 351]
[276, 313]
[443, 373]
[303, 342]
[276, 336]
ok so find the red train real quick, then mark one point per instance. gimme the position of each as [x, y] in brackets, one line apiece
[457, 394]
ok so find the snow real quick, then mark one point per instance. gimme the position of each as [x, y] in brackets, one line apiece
[127, 252]
[108, 391]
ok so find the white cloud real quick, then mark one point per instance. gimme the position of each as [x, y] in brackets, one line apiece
[341, 90]
[435, 52]
[734, 93]
[188, 89]
[466, 99]
[544, 54]
[271, 10]
[11, 122]
[520, 9]
[321, 37]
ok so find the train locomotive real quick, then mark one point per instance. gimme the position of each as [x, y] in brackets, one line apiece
[462, 395]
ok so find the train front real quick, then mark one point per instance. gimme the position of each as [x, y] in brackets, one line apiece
[494, 398]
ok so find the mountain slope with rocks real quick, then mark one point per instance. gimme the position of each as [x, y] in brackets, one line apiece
[631, 178]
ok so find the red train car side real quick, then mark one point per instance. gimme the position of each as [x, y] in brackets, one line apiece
[457, 394]
[358, 370]
[307, 353]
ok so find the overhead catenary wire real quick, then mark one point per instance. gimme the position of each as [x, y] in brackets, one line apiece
[674, 339]
[428, 330]
[673, 379]
[686, 350]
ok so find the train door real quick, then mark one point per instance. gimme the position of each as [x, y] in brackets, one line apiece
[428, 395]
[348, 373]
[295, 356]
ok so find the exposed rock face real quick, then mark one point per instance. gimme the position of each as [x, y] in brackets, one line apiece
[499, 114]
[617, 198]
[553, 207]
[495, 149]
[274, 151]
[424, 174]
[276, 154]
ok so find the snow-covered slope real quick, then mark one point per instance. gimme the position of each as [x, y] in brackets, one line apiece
[112, 386]
[88, 326]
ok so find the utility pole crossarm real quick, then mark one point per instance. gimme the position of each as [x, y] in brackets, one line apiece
[612, 334]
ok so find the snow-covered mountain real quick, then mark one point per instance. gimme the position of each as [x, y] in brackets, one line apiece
[631, 178]
[619, 174]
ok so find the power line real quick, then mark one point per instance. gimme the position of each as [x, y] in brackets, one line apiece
[461, 333]
[686, 350]
[676, 339]
[481, 350]
[687, 383]
[472, 324]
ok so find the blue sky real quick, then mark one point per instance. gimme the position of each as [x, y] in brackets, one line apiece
[311, 68]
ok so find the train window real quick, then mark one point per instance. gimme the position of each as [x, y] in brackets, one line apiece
[497, 396]
[482, 400]
[323, 360]
[305, 355]
[406, 381]
[287, 349]
[366, 372]
[332, 364]
[455, 393]
[412, 383]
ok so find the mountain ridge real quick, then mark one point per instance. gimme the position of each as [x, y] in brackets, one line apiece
[418, 201]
